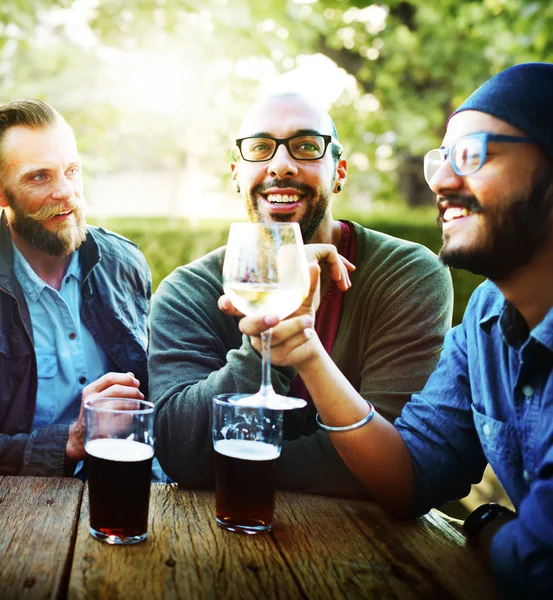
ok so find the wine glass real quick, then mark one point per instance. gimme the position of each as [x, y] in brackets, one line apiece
[265, 272]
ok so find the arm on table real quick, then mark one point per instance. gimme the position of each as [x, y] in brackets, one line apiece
[396, 327]
[387, 475]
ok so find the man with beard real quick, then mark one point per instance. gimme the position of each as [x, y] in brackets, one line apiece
[73, 299]
[490, 398]
[384, 334]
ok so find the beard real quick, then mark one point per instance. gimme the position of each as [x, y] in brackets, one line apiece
[516, 232]
[314, 214]
[29, 226]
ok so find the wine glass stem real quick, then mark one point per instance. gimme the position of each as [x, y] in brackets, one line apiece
[266, 385]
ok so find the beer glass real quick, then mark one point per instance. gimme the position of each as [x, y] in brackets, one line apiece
[247, 441]
[265, 272]
[119, 446]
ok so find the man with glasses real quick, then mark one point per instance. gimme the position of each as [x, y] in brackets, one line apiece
[490, 399]
[384, 334]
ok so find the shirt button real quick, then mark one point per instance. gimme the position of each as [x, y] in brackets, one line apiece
[486, 430]
[526, 475]
[67, 280]
[82, 380]
[72, 335]
[528, 391]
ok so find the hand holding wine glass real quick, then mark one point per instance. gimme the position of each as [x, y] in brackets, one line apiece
[265, 273]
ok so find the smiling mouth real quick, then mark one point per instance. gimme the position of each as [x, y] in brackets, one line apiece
[63, 214]
[456, 207]
[454, 212]
[282, 198]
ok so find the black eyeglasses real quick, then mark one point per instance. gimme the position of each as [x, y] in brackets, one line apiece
[468, 154]
[300, 147]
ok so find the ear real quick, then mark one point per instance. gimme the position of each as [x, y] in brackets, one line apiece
[234, 170]
[341, 172]
[3, 199]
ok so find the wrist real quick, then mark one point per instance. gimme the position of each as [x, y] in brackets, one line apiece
[74, 448]
[315, 357]
[481, 525]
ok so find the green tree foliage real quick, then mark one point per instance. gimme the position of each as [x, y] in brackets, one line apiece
[413, 62]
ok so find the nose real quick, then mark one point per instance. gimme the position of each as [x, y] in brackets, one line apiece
[445, 179]
[282, 164]
[63, 189]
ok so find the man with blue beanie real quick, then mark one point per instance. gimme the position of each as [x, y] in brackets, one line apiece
[490, 399]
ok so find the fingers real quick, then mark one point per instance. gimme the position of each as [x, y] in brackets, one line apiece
[338, 266]
[292, 342]
[256, 325]
[312, 299]
[226, 306]
[114, 385]
[292, 327]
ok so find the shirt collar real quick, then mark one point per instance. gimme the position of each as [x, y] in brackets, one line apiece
[492, 311]
[513, 328]
[511, 325]
[543, 331]
[31, 283]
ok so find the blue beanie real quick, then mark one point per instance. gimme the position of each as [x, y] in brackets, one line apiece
[522, 96]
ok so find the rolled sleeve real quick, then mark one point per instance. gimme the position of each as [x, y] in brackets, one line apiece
[438, 429]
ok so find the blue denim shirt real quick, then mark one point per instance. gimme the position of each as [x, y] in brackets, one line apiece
[490, 399]
[68, 358]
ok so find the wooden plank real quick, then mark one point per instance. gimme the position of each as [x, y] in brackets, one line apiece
[428, 553]
[342, 549]
[38, 519]
[185, 556]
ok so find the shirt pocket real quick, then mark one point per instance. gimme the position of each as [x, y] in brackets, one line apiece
[498, 439]
[47, 370]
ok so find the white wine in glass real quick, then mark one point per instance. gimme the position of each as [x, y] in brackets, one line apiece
[265, 272]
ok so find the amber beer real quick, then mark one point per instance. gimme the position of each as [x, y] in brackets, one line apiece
[245, 484]
[119, 473]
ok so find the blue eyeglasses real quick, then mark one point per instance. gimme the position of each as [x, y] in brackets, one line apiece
[468, 154]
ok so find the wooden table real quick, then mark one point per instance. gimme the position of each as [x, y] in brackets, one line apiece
[319, 548]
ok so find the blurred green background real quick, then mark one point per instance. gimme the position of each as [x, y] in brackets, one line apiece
[168, 245]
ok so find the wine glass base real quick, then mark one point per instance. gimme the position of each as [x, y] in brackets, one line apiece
[272, 401]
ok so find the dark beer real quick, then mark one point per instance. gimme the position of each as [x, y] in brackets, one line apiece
[119, 473]
[245, 484]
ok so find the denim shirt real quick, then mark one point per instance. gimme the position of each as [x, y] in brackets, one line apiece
[68, 357]
[115, 297]
[490, 399]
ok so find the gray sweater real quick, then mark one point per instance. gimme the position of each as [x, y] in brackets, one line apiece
[390, 336]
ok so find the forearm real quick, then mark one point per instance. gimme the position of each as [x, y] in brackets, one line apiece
[375, 452]
[39, 453]
[310, 464]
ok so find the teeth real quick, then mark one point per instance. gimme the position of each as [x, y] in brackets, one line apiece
[63, 213]
[282, 198]
[455, 212]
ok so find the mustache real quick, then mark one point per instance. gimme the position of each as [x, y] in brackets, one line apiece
[51, 210]
[458, 200]
[262, 188]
